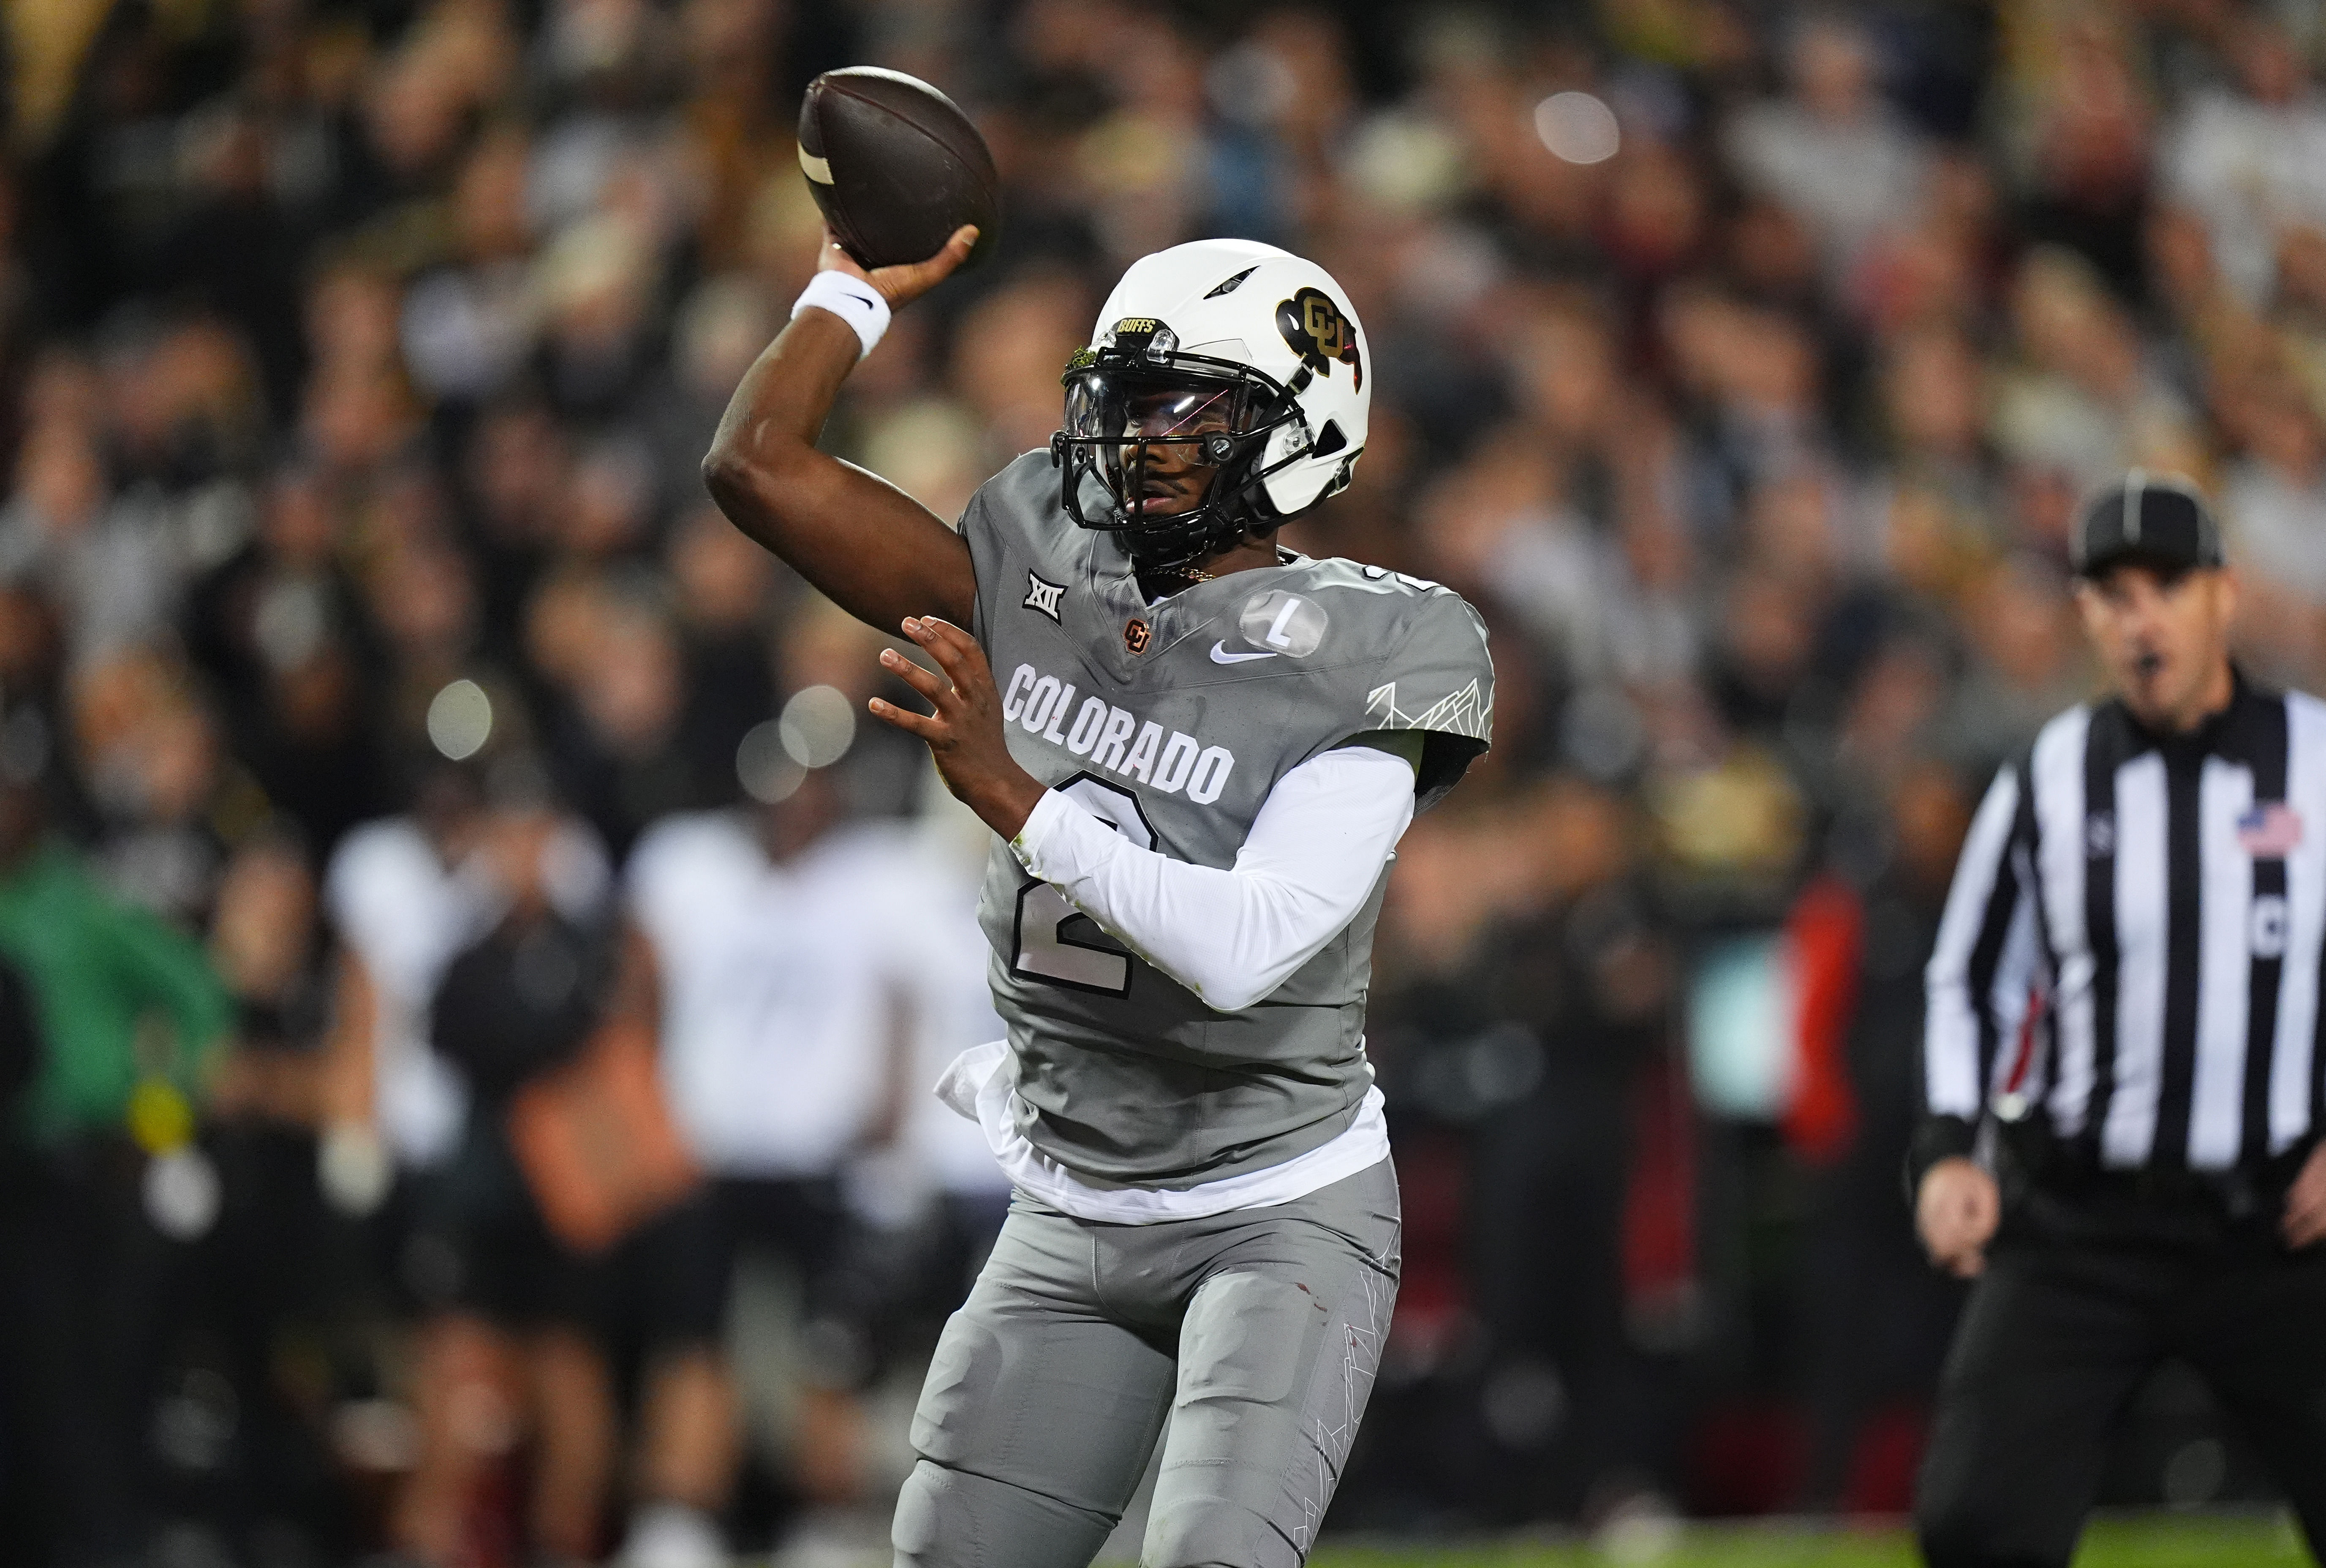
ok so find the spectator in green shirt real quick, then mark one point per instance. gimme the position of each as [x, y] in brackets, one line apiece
[125, 1011]
[104, 974]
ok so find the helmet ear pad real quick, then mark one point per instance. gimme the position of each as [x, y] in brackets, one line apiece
[1292, 487]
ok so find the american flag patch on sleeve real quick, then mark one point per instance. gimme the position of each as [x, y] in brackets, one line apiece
[2270, 831]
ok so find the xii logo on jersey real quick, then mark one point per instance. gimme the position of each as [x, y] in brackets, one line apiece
[1041, 594]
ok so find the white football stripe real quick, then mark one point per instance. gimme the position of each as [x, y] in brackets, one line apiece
[2142, 903]
[2062, 846]
[2306, 899]
[2224, 966]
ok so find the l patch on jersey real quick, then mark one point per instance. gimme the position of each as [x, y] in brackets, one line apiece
[1041, 594]
[1281, 623]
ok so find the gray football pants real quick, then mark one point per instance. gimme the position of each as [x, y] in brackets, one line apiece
[1256, 1332]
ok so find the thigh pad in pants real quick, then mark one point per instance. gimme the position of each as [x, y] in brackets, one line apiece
[1276, 1357]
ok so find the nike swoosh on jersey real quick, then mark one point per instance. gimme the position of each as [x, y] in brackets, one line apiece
[1220, 654]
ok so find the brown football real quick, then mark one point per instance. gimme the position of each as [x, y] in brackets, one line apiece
[895, 165]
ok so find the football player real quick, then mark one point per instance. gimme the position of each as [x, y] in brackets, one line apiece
[1196, 751]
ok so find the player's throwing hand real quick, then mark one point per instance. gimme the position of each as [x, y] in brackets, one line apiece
[900, 286]
[965, 734]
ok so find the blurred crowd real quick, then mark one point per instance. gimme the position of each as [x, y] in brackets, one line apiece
[470, 987]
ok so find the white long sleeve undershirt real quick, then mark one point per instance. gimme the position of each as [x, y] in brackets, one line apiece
[1234, 936]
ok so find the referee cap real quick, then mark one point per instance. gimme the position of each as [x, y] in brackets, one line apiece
[2154, 517]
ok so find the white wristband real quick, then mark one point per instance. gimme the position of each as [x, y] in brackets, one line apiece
[852, 300]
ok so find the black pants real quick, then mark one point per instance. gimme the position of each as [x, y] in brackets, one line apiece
[89, 1292]
[2084, 1295]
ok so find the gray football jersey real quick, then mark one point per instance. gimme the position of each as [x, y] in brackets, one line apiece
[1173, 722]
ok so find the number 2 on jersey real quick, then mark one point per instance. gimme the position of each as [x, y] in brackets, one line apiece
[1057, 943]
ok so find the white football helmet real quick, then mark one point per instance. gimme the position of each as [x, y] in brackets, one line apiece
[1221, 354]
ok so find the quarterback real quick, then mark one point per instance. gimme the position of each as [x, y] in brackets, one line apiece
[1196, 751]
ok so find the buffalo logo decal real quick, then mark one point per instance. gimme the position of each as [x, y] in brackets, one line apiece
[1318, 331]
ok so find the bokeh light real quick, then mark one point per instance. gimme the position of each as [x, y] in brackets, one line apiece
[1578, 127]
[460, 719]
[818, 726]
[768, 772]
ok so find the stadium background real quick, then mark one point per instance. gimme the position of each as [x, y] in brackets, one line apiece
[1742, 362]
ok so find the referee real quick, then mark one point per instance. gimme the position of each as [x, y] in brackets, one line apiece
[2124, 1062]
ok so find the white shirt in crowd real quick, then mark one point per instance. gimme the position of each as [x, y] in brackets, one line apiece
[404, 915]
[2276, 527]
[781, 985]
[952, 997]
[2249, 169]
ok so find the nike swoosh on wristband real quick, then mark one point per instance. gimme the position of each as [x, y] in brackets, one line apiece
[1220, 654]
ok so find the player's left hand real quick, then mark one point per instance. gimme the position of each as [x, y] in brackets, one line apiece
[965, 734]
[2304, 1221]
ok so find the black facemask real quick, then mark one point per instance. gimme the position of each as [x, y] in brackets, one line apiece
[1174, 442]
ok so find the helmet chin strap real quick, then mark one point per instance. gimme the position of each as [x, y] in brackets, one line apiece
[1208, 530]
[1162, 547]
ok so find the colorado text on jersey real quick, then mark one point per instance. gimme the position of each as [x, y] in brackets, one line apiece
[1105, 734]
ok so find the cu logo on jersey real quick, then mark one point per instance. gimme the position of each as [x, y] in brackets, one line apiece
[1136, 635]
[2266, 927]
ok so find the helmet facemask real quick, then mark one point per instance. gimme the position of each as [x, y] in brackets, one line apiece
[1174, 440]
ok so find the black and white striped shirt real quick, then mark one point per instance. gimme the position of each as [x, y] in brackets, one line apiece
[2133, 943]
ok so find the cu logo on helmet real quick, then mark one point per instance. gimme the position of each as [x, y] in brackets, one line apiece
[1314, 328]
